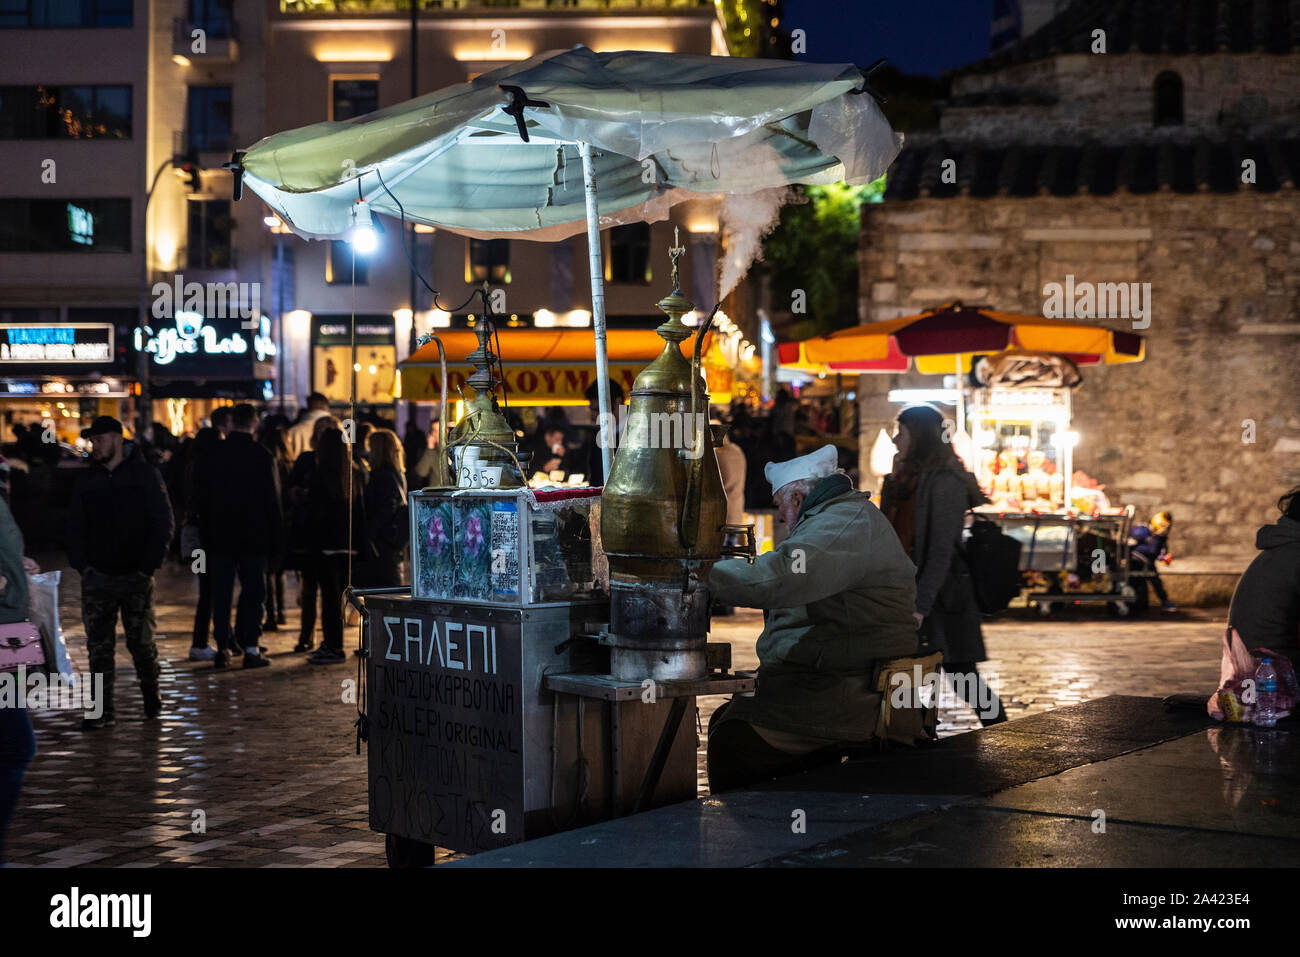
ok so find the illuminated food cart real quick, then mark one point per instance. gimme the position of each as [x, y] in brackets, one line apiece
[1011, 390]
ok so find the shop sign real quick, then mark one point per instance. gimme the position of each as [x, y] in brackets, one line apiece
[193, 335]
[339, 330]
[526, 384]
[56, 342]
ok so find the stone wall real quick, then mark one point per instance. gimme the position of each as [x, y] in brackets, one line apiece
[1223, 346]
[1110, 98]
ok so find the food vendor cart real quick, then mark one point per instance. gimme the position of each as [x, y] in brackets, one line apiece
[528, 605]
[1012, 392]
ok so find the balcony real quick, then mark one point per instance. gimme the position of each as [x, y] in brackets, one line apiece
[217, 43]
[371, 7]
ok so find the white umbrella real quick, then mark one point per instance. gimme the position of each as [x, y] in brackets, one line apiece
[518, 151]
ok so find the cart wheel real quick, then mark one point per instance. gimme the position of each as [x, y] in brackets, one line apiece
[1045, 608]
[1118, 609]
[402, 852]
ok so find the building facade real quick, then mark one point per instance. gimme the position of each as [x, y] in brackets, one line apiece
[73, 135]
[1171, 159]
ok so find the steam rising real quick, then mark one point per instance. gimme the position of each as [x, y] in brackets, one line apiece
[746, 218]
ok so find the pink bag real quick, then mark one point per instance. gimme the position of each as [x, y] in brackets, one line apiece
[1235, 667]
[20, 644]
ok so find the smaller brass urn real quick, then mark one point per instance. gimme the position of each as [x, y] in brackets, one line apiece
[484, 428]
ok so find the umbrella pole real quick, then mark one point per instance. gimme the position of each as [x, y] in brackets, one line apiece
[961, 397]
[598, 309]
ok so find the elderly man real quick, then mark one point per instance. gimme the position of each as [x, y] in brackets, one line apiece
[838, 597]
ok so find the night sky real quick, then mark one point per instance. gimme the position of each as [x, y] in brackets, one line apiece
[918, 36]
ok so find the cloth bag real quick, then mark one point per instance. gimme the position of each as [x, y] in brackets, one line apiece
[1236, 666]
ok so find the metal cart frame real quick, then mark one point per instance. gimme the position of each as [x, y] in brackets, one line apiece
[1045, 556]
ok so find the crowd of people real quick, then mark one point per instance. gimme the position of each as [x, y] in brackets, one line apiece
[245, 500]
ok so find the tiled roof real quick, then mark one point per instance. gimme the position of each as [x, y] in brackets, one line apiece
[1158, 26]
[1026, 170]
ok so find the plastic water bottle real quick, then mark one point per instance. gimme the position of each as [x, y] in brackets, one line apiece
[1265, 694]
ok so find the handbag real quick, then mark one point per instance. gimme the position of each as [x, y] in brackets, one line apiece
[20, 645]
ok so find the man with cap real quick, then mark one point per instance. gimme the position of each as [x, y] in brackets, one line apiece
[838, 596]
[119, 527]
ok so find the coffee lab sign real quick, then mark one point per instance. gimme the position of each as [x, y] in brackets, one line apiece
[192, 335]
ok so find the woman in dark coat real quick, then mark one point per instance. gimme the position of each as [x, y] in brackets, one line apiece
[337, 489]
[926, 500]
[273, 439]
[300, 554]
[196, 461]
[386, 512]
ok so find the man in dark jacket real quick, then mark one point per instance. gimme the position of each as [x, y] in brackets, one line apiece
[241, 522]
[119, 527]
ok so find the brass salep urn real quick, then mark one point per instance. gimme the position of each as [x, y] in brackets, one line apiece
[662, 512]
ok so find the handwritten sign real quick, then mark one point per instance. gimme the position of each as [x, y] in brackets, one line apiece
[446, 711]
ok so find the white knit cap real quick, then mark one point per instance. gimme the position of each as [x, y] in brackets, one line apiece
[814, 465]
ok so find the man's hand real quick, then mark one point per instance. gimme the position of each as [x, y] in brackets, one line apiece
[919, 618]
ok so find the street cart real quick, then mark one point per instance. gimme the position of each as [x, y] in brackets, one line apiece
[1012, 377]
[528, 605]
[1072, 557]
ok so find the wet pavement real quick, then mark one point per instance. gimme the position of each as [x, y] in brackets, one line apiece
[260, 768]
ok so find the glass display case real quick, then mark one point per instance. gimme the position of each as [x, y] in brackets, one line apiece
[507, 546]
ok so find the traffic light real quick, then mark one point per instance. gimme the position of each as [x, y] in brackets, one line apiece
[189, 165]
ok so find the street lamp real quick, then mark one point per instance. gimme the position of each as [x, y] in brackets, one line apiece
[278, 278]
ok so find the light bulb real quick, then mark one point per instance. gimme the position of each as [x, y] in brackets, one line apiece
[363, 235]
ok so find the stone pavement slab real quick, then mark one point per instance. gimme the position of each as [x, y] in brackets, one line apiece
[998, 797]
[730, 830]
[974, 836]
[1008, 754]
[1241, 780]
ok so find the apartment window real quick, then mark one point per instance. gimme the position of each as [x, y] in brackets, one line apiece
[353, 96]
[1169, 99]
[629, 253]
[212, 16]
[65, 225]
[208, 119]
[65, 112]
[338, 270]
[209, 244]
[489, 259]
[65, 13]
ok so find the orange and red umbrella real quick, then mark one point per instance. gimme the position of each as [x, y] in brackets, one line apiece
[950, 337]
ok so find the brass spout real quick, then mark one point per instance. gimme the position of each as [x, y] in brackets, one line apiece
[689, 526]
[441, 472]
